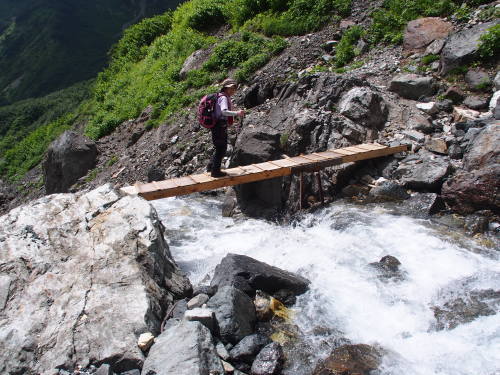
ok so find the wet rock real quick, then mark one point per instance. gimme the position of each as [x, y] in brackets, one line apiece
[466, 308]
[235, 313]
[423, 204]
[461, 48]
[387, 267]
[364, 106]
[476, 224]
[185, 349]
[229, 204]
[96, 252]
[478, 80]
[248, 275]
[421, 32]
[436, 145]
[496, 81]
[350, 360]
[387, 192]
[476, 102]
[197, 301]
[467, 192]
[412, 86]
[269, 361]
[248, 348]
[68, 158]
[425, 176]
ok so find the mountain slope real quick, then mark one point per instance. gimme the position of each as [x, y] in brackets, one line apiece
[46, 45]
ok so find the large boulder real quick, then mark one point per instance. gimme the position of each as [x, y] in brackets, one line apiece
[484, 150]
[478, 80]
[184, 349]
[248, 275]
[421, 32]
[84, 276]
[360, 359]
[425, 176]
[364, 106]
[269, 361]
[467, 192]
[69, 157]
[257, 145]
[412, 86]
[234, 312]
[461, 48]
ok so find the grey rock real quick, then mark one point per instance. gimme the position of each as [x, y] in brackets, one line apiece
[412, 86]
[185, 349]
[445, 105]
[478, 80]
[436, 145]
[461, 48]
[426, 176]
[68, 158]
[421, 32]
[387, 192]
[496, 81]
[465, 308]
[352, 359]
[204, 289]
[476, 224]
[197, 301]
[248, 275]
[194, 61]
[484, 150]
[269, 361]
[421, 123]
[87, 254]
[364, 106]
[423, 204]
[455, 94]
[104, 369]
[435, 47]
[235, 314]
[248, 348]
[5, 282]
[156, 173]
[414, 136]
[455, 151]
[222, 351]
[476, 102]
[202, 315]
[131, 372]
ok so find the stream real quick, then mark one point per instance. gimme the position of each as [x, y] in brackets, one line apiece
[347, 302]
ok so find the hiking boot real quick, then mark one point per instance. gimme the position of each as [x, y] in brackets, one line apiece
[218, 174]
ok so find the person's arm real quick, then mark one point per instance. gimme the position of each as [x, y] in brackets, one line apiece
[224, 107]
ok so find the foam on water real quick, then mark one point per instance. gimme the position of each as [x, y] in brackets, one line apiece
[332, 248]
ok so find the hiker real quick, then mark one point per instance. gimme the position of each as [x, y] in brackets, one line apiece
[224, 114]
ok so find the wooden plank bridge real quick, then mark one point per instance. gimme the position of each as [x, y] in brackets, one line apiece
[263, 171]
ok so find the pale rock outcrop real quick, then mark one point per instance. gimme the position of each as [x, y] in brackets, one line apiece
[85, 275]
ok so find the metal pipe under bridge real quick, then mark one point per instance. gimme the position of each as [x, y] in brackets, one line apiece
[263, 171]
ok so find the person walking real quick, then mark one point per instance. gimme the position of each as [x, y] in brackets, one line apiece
[225, 115]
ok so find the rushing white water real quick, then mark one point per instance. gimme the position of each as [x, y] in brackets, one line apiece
[332, 248]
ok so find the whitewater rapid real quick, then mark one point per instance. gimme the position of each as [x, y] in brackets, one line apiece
[332, 248]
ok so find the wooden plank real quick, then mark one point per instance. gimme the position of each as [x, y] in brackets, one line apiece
[344, 152]
[184, 181]
[237, 171]
[317, 166]
[201, 178]
[371, 146]
[300, 160]
[330, 154]
[313, 157]
[371, 154]
[354, 149]
[266, 166]
[249, 169]
[284, 163]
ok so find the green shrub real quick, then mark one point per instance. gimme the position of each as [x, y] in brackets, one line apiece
[426, 60]
[490, 43]
[345, 50]
[207, 15]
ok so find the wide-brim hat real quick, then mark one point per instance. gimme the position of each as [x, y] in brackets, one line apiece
[229, 83]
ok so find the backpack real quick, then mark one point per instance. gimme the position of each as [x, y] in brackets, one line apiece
[206, 110]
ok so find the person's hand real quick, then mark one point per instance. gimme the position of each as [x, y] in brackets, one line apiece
[241, 114]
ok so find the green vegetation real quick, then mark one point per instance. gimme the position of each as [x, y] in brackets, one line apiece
[146, 63]
[490, 43]
[112, 161]
[346, 50]
[390, 20]
[27, 153]
[426, 60]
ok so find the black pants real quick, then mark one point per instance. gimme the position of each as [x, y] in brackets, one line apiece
[219, 139]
